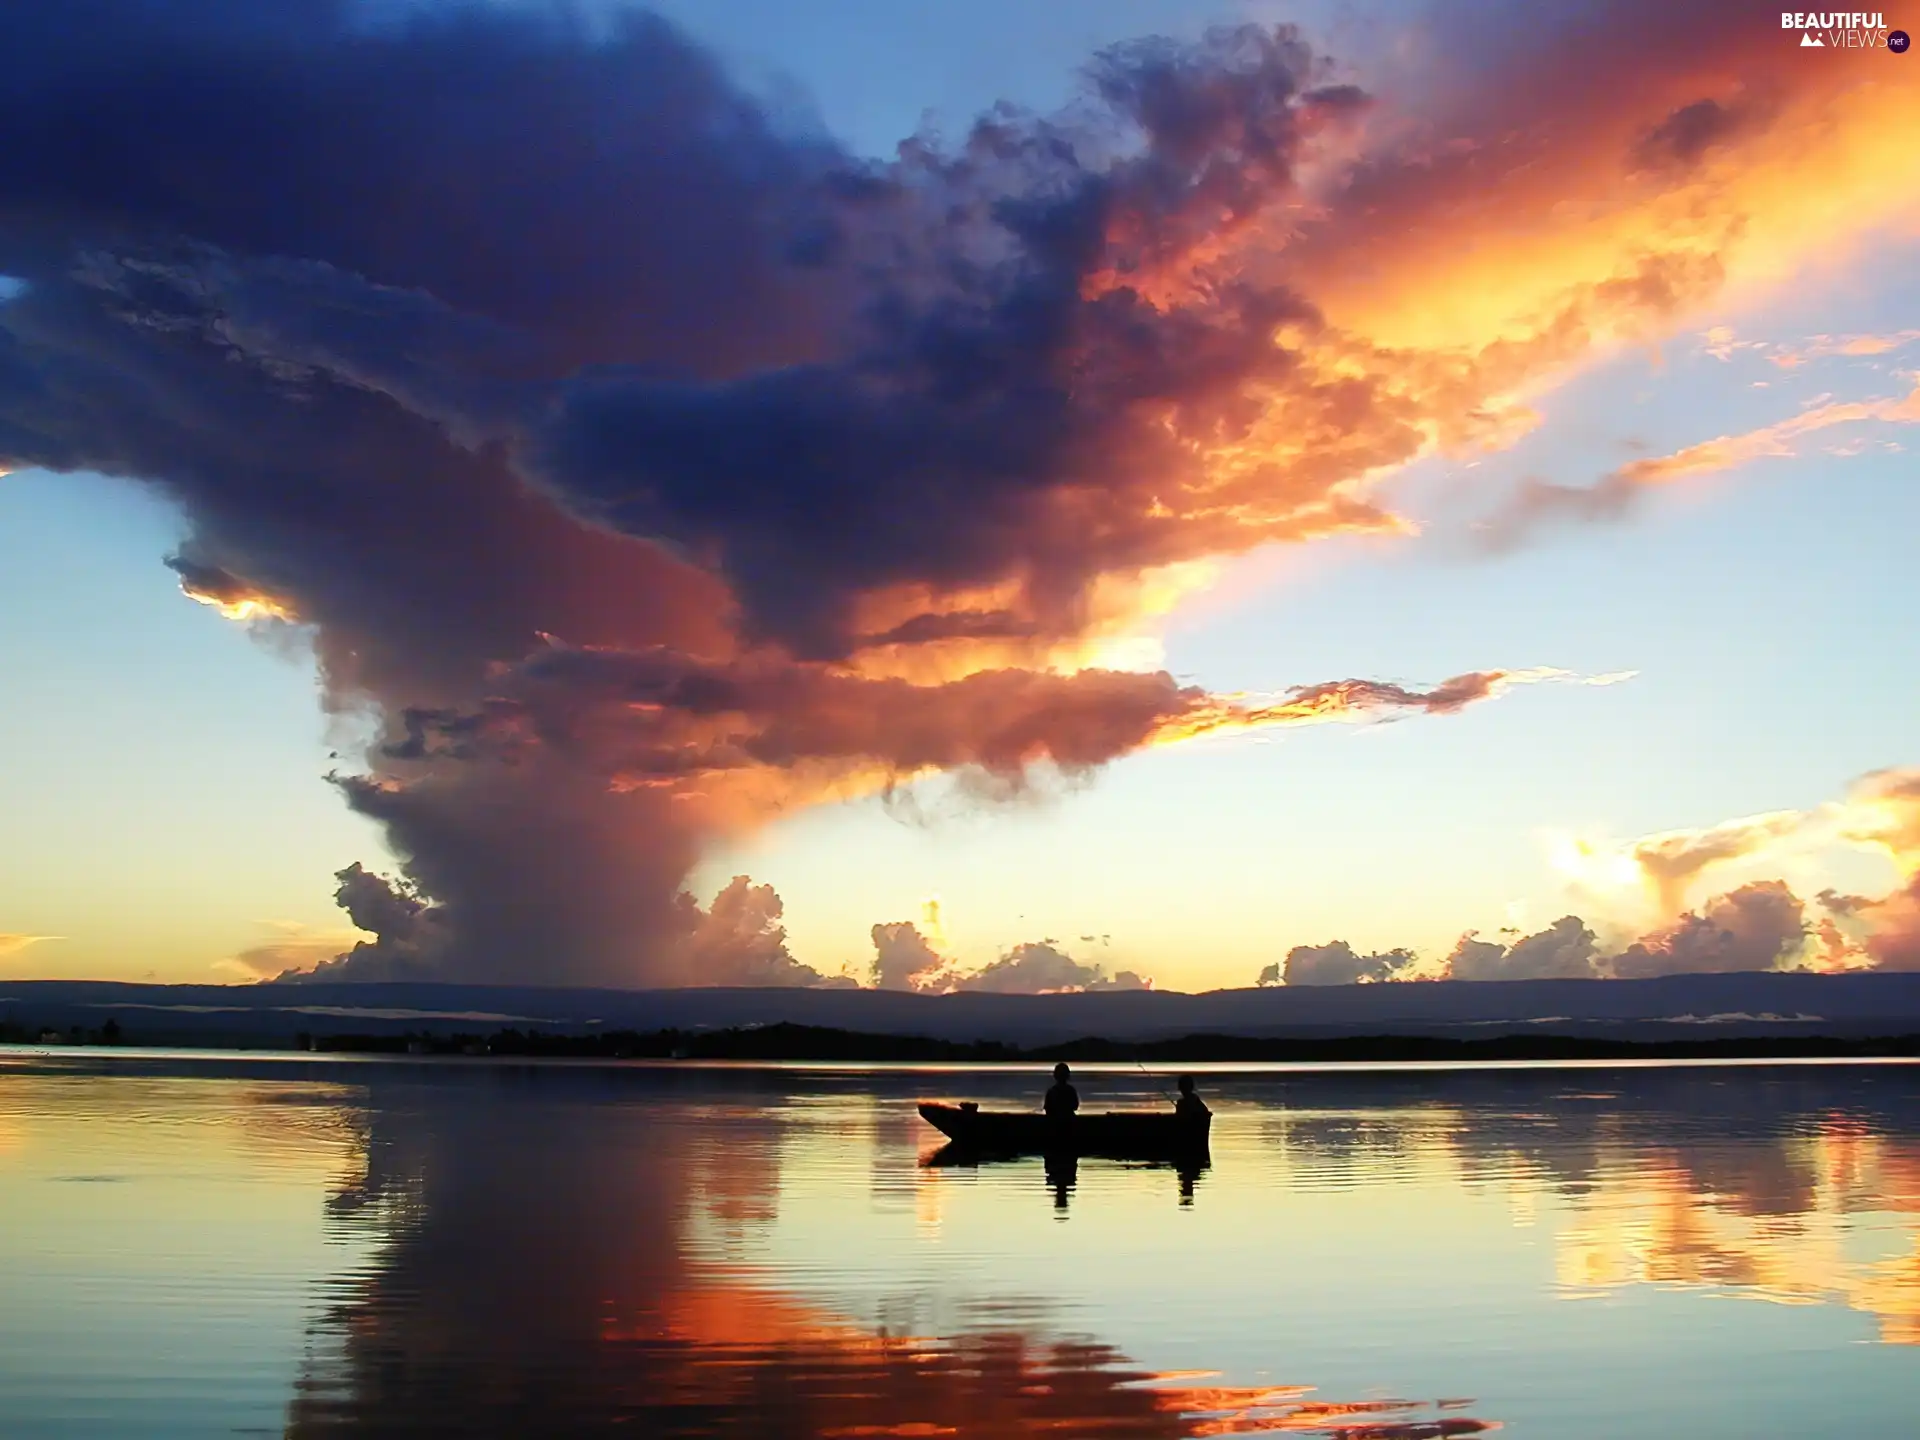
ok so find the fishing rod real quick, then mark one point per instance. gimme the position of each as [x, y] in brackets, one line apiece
[1156, 1082]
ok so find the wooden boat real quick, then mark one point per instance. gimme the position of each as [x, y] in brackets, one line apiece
[1125, 1135]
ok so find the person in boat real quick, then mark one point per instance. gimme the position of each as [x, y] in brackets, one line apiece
[1062, 1098]
[1189, 1106]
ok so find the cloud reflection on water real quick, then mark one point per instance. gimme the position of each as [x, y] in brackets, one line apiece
[1748, 1184]
[477, 1249]
[577, 1268]
[1786, 1231]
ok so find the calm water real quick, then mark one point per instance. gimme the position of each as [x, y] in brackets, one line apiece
[196, 1248]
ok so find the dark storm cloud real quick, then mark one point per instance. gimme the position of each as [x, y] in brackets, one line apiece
[410, 940]
[1010, 419]
[992, 399]
[654, 716]
[1692, 130]
[592, 189]
[498, 186]
[481, 340]
[211, 582]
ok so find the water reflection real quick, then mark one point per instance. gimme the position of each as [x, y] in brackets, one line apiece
[684, 1252]
[1799, 1186]
[1783, 1224]
[579, 1264]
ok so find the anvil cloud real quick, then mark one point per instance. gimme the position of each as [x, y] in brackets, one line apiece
[649, 466]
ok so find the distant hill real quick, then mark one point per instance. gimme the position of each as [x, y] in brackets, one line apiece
[1677, 1007]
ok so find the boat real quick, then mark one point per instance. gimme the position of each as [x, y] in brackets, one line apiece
[1122, 1135]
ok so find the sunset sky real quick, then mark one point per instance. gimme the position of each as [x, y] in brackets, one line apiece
[1558, 382]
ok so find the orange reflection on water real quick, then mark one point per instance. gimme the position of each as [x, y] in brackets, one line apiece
[745, 1346]
[1783, 1223]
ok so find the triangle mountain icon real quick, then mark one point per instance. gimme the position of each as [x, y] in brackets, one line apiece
[1809, 41]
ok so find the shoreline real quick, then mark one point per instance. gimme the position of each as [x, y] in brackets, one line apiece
[800, 1045]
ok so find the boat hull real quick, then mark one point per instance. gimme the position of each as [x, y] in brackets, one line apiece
[1121, 1136]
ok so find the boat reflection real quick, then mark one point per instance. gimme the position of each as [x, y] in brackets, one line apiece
[1062, 1170]
[561, 1269]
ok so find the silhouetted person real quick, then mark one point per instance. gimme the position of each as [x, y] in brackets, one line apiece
[1062, 1098]
[1190, 1106]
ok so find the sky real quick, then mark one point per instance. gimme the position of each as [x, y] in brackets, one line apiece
[1591, 460]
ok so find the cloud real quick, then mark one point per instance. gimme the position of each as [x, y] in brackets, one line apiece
[1872, 344]
[1040, 967]
[411, 936]
[14, 944]
[1753, 928]
[293, 950]
[1671, 861]
[739, 940]
[1686, 135]
[904, 959]
[226, 592]
[1883, 812]
[1336, 963]
[1761, 925]
[1538, 502]
[658, 717]
[1893, 928]
[1814, 347]
[1661, 868]
[1565, 950]
[454, 330]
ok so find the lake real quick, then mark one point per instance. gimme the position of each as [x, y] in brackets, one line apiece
[205, 1245]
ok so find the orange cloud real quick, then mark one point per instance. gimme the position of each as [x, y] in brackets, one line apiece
[1671, 861]
[661, 719]
[1538, 501]
[1728, 451]
[11, 944]
[1715, 160]
[1883, 812]
[1642, 888]
[1793, 356]
[1022, 393]
[293, 947]
[233, 597]
[1659, 869]
[1873, 344]
[838, 1378]
[1757, 927]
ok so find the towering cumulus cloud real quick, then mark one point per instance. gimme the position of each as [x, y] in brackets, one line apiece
[648, 467]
